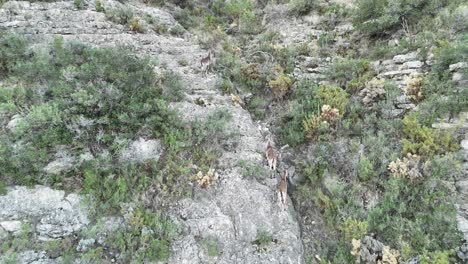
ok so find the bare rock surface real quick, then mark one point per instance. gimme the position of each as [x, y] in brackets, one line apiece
[53, 213]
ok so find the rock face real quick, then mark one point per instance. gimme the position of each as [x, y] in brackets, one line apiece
[233, 212]
[51, 213]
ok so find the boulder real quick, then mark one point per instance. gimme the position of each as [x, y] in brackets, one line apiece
[56, 214]
[458, 66]
[399, 59]
[142, 150]
[413, 64]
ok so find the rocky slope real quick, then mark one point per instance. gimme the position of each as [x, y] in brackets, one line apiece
[236, 210]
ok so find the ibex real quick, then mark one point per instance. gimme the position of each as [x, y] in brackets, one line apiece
[207, 62]
[271, 155]
[282, 188]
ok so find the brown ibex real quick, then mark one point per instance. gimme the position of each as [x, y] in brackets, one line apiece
[282, 188]
[207, 62]
[271, 155]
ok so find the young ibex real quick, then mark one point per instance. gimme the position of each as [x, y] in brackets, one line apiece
[282, 188]
[271, 155]
[207, 62]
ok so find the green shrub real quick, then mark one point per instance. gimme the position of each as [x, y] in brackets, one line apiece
[425, 141]
[304, 104]
[183, 62]
[415, 217]
[160, 28]
[177, 30]
[185, 18]
[225, 85]
[173, 87]
[263, 238]
[365, 169]
[281, 85]
[349, 73]
[136, 25]
[211, 245]
[213, 130]
[120, 15]
[439, 257]
[353, 228]
[79, 4]
[12, 49]
[382, 17]
[332, 96]
[443, 96]
[99, 7]
[257, 107]
[252, 170]
[303, 7]
[146, 238]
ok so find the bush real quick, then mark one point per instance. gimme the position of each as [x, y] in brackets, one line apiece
[303, 7]
[99, 7]
[263, 238]
[303, 105]
[120, 15]
[382, 17]
[79, 4]
[350, 74]
[425, 141]
[173, 87]
[353, 228]
[12, 49]
[442, 95]
[146, 238]
[415, 217]
[333, 96]
[136, 25]
[281, 85]
[211, 245]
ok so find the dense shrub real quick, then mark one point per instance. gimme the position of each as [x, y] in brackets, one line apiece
[173, 88]
[382, 17]
[332, 96]
[303, 7]
[120, 15]
[92, 101]
[85, 98]
[425, 141]
[303, 105]
[12, 48]
[415, 217]
[350, 74]
[281, 85]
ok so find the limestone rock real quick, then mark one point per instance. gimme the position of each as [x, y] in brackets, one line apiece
[58, 215]
[13, 226]
[413, 64]
[396, 73]
[458, 66]
[462, 252]
[13, 122]
[63, 163]
[33, 257]
[456, 77]
[142, 150]
[405, 57]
